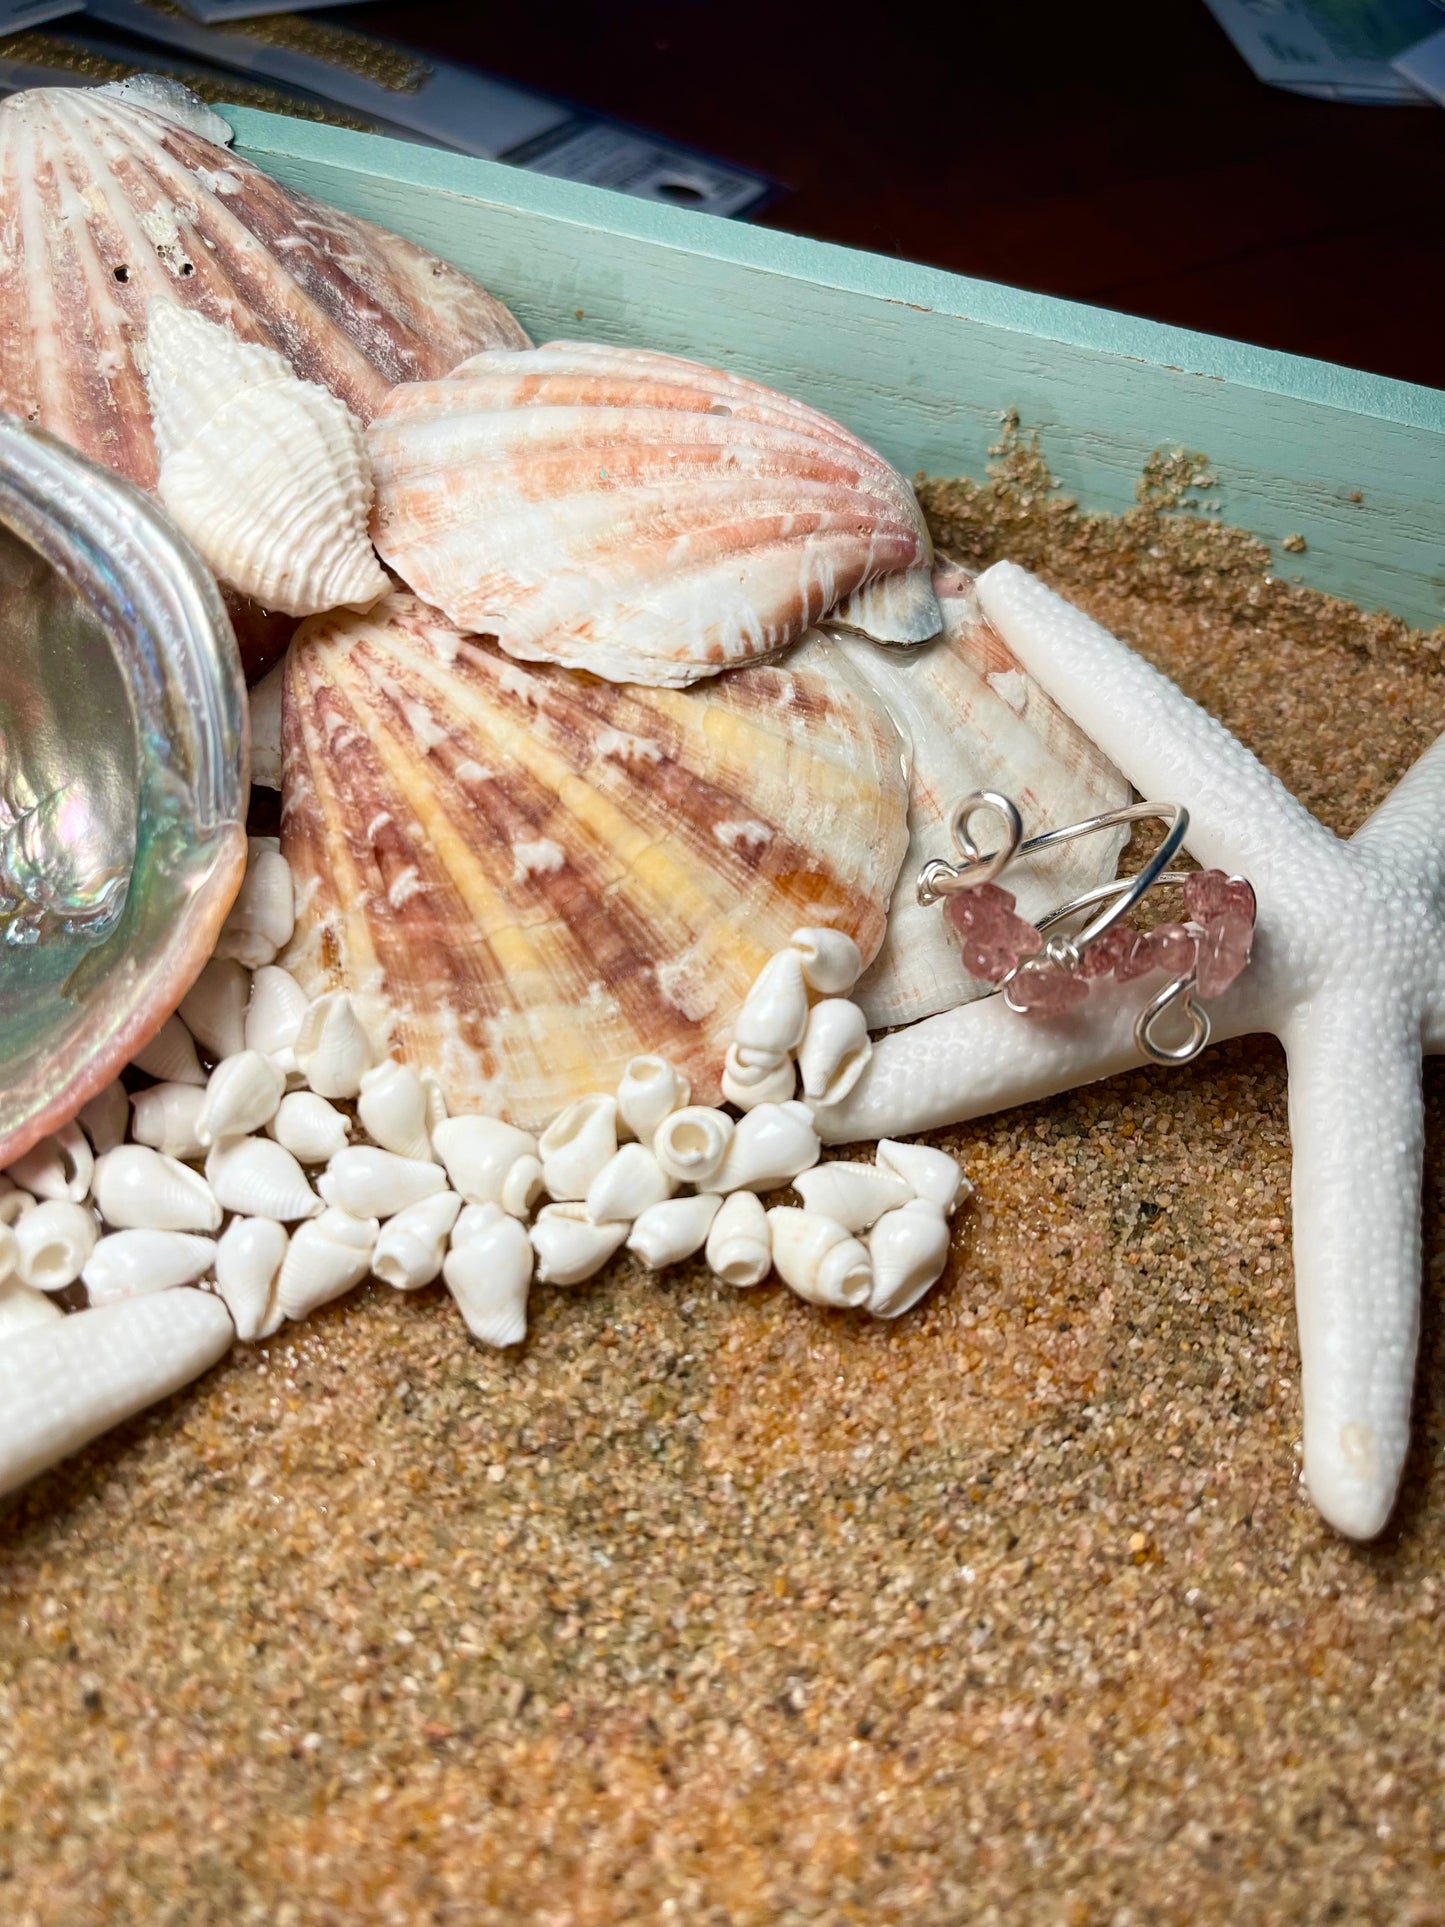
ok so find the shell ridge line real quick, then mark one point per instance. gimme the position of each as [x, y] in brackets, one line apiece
[618, 943]
[481, 909]
[93, 300]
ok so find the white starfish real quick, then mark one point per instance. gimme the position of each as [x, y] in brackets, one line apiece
[1348, 972]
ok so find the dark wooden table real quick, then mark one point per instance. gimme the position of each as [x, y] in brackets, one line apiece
[1120, 154]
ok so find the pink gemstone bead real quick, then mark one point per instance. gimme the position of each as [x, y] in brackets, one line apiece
[1210, 895]
[1103, 954]
[1172, 948]
[1043, 989]
[1224, 948]
[1137, 957]
[1225, 908]
[992, 936]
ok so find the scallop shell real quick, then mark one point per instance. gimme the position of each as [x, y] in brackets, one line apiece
[106, 207]
[265, 473]
[975, 721]
[636, 515]
[525, 877]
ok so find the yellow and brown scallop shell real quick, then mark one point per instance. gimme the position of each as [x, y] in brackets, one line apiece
[526, 875]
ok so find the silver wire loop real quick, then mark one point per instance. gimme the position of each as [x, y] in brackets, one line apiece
[1173, 998]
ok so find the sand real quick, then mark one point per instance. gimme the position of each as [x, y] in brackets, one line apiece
[713, 1609]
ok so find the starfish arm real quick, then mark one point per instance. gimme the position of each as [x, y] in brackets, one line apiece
[1356, 1119]
[1406, 834]
[1242, 817]
[985, 1057]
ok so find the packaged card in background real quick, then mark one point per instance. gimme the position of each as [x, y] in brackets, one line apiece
[446, 104]
[36, 59]
[1333, 49]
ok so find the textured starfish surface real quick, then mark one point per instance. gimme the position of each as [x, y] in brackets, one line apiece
[1348, 972]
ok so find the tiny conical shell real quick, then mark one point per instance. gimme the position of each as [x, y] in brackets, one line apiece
[249, 1257]
[691, 1144]
[770, 1146]
[740, 1242]
[775, 1011]
[261, 1179]
[267, 474]
[105, 1117]
[750, 1085]
[831, 960]
[853, 1195]
[819, 1259]
[369, 1182]
[126, 1263]
[14, 1202]
[633, 514]
[167, 1117]
[53, 1242]
[276, 1011]
[137, 1189]
[409, 1250]
[263, 916]
[214, 1008]
[241, 1095]
[327, 1256]
[630, 1181]
[490, 1274]
[835, 1050]
[489, 1162]
[65, 1383]
[332, 1046]
[931, 1173]
[171, 1055]
[650, 1088]
[310, 1128]
[265, 705]
[525, 880]
[59, 1166]
[22, 1308]
[909, 1250]
[673, 1229]
[569, 1246]
[393, 1110]
[576, 1144]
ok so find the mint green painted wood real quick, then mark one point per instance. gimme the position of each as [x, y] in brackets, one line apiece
[922, 363]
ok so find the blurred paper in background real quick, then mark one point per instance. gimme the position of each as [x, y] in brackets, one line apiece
[316, 68]
[1333, 49]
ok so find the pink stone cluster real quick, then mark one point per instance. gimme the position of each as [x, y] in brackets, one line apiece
[1215, 944]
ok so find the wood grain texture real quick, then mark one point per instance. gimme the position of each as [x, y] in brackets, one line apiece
[922, 363]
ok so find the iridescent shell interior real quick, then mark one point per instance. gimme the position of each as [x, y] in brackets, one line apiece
[122, 777]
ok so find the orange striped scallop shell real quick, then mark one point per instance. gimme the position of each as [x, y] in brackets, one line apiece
[640, 516]
[526, 876]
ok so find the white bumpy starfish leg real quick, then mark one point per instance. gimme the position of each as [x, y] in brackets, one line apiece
[1170, 749]
[1356, 1124]
[983, 1057]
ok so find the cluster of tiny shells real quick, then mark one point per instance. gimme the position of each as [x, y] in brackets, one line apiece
[276, 1161]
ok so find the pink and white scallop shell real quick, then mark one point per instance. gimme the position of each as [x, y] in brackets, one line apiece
[640, 516]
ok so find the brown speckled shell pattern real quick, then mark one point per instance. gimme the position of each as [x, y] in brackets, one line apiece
[105, 207]
[527, 875]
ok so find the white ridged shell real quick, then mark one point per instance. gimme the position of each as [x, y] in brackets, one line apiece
[267, 474]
